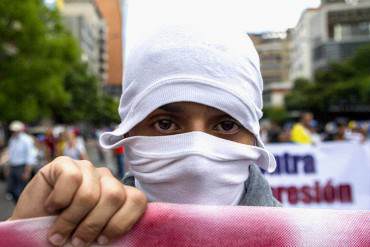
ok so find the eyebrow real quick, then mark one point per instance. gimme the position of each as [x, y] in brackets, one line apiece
[179, 109]
[172, 108]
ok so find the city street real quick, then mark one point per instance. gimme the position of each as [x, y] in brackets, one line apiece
[6, 207]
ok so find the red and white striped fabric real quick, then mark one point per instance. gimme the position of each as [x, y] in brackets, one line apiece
[188, 225]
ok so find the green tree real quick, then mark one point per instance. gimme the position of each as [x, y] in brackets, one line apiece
[341, 87]
[88, 103]
[276, 114]
[41, 73]
[106, 111]
[35, 55]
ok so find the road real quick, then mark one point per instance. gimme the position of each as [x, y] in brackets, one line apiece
[6, 207]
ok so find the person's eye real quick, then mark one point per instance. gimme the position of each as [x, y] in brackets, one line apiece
[227, 127]
[165, 126]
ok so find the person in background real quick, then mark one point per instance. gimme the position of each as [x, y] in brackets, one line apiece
[340, 135]
[301, 132]
[264, 132]
[274, 132]
[81, 145]
[50, 142]
[101, 156]
[355, 133]
[330, 131]
[61, 141]
[72, 149]
[314, 129]
[119, 155]
[2, 138]
[283, 136]
[20, 160]
[40, 153]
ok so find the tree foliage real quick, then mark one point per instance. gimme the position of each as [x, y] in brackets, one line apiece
[276, 114]
[41, 73]
[88, 103]
[34, 55]
[342, 87]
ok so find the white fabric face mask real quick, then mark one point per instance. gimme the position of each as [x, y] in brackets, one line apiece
[192, 168]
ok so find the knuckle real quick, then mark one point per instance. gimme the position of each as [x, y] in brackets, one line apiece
[89, 198]
[59, 161]
[115, 229]
[43, 170]
[75, 176]
[138, 198]
[104, 171]
[115, 195]
[66, 222]
[85, 163]
[89, 231]
[62, 159]
[57, 202]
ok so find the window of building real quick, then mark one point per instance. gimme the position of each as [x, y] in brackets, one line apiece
[349, 31]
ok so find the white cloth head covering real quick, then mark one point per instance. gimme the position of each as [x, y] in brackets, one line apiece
[188, 63]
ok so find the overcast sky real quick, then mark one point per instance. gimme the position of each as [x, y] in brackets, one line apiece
[144, 16]
[253, 15]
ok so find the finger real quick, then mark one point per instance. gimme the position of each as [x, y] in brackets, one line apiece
[38, 190]
[126, 217]
[34, 195]
[65, 177]
[112, 198]
[85, 199]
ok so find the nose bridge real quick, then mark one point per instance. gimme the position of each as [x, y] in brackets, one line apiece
[196, 117]
[197, 123]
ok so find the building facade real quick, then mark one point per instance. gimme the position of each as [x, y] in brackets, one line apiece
[341, 28]
[331, 33]
[85, 22]
[111, 11]
[301, 50]
[274, 51]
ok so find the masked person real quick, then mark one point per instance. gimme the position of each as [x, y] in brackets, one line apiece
[190, 110]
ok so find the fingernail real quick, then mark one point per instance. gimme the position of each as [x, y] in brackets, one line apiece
[76, 242]
[102, 240]
[57, 239]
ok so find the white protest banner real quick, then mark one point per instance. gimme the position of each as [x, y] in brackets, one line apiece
[329, 175]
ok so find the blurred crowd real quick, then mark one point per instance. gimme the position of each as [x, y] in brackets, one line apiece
[24, 150]
[307, 130]
[46, 143]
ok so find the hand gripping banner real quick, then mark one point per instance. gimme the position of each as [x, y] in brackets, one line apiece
[188, 225]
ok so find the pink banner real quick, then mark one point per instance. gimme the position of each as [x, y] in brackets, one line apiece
[188, 225]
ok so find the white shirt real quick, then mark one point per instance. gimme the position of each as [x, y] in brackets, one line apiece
[20, 150]
[81, 144]
[73, 152]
